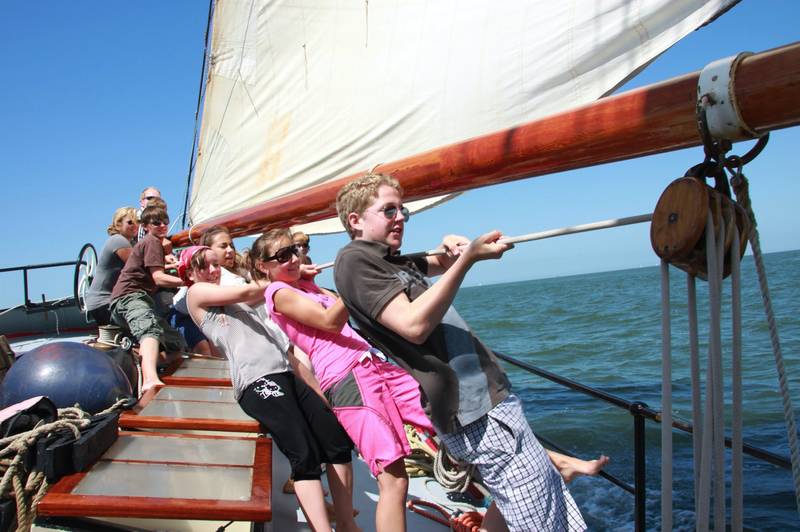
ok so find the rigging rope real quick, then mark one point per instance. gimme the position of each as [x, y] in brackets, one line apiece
[737, 465]
[741, 188]
[718, 417]
[694, 358]
[666, 403]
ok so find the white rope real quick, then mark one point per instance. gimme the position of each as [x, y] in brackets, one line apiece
[715, 328]
[741, 187]
[666, 403]
[737, 497]
[541, 235]
[449, 473]
[9, 309]
[694, 359]
[704, 489]
[788, 412]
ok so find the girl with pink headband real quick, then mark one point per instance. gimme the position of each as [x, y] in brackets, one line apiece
[264, 373]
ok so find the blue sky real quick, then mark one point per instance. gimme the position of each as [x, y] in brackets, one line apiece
[97, 100]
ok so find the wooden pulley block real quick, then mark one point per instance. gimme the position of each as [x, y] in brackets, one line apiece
[679, 219]
[677, 232]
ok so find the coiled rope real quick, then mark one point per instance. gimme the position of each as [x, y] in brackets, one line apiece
[30, 487]
[445, 469]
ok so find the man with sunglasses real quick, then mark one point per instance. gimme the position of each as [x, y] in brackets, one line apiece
[145, 199]
[132, 304]
[466, 393]
[303, 243]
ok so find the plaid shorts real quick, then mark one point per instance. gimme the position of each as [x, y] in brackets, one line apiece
[528, 491]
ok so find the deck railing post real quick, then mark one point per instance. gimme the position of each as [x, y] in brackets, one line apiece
[25, 286]
[639, 466]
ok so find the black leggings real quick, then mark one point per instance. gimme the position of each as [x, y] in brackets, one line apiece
[300, 423]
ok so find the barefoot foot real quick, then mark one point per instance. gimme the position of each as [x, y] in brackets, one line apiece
[148, 385]
[575, 467]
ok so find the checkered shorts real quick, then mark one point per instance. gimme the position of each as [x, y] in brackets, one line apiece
[528, 491]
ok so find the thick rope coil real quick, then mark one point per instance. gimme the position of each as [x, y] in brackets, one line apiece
[30, 487]
[450, 474]
[446, 470]
[741, 188]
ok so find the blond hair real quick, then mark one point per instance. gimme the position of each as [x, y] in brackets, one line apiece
[119, 215]
[357, 195]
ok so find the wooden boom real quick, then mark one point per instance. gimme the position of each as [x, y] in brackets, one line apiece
[644, 121]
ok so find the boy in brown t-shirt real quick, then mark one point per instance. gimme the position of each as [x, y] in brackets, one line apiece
[131, 303]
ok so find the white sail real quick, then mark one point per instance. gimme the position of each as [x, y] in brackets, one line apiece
[301, 92]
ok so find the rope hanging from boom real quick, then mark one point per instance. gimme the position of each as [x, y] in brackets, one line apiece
[704, 231]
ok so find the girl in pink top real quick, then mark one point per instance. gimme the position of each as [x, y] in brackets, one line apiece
[370, 397]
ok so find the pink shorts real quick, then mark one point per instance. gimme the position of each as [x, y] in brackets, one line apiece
[372, 402]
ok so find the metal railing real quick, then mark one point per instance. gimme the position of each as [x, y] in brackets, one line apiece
[640, 412]
[29, 305]
[83, 268]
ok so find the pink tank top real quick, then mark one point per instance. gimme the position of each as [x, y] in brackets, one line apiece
[332, 354]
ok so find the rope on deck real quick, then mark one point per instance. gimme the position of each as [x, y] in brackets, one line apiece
[29, 487]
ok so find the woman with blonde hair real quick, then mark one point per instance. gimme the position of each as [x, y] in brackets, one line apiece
[122, 233]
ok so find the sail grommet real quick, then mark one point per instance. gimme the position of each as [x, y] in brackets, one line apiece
[716, 97]
[677, 232]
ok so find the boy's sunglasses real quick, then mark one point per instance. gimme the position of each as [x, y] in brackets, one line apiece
[160, 222]
[391, 211]
[284, 255]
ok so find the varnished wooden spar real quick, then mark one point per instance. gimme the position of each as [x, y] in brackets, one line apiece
[645, 121]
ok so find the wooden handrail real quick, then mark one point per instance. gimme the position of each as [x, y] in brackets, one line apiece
[652, 119]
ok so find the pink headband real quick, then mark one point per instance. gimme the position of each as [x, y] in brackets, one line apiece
[185, 262]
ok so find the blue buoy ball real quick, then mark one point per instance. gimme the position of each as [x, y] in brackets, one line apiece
[67, 373]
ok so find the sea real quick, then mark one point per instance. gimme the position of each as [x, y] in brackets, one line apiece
[604, 330]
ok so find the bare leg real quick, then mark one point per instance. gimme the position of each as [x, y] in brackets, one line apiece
[340, 480]
[390, 514]
[570, 467]
[149, 350]
[493, 520]
[312, 502]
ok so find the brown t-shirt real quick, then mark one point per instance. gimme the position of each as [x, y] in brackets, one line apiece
[135, 276]
[460, 377]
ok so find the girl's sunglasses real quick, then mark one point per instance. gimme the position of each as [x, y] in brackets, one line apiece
[284, 255]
